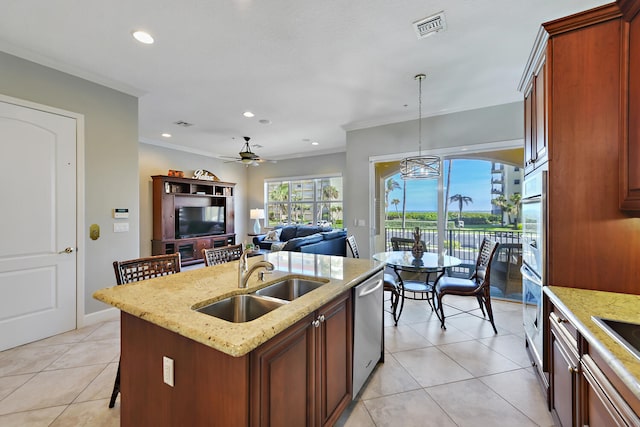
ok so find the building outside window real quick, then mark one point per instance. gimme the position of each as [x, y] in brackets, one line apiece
[304, 201]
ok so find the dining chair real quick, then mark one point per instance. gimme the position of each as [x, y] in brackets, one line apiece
[419, 286]
[478, 285]
[353, 246]
[404, 244]
[135, 270]
[389, 282]
[215, 256]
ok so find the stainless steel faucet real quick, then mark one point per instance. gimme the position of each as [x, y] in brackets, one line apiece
[244, 272]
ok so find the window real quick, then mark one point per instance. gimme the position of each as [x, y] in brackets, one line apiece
[305, 201]
[516, 181]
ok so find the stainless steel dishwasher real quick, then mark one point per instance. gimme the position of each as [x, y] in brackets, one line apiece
[367, 329]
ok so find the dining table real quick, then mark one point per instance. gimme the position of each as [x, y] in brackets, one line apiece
[432, 264]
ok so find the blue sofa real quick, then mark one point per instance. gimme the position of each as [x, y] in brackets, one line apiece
[305, 238]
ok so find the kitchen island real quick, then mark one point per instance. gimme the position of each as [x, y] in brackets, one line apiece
[284, 367]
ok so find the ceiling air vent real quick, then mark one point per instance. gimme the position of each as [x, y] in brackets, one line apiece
[430, 25]
[183, 123]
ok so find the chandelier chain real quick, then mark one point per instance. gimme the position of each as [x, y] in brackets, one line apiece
[420, 77]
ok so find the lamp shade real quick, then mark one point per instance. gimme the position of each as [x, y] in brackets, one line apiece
[256, 214]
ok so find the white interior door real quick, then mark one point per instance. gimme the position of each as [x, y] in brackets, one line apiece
[37, 224]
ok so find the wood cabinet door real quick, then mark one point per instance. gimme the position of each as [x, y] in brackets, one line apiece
[564, 368]
[283, 376]
[202, 244]
[528, 132]
[540, 118]
[335, 349]
[630, 146]
[562, 385]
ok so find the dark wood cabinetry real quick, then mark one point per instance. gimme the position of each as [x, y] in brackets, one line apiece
[535, 110]
[170, 194]
[630, 141]
[564, 365]
[584, 389]
[574, 88]
[303, 376]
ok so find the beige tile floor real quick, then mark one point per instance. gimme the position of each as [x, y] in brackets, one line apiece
[464, 376]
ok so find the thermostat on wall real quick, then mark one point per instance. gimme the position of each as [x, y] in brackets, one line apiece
[121, 213]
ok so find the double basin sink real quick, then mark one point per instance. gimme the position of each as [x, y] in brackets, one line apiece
[247, 307]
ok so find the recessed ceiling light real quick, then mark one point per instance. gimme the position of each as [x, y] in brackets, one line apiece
[143, 37]
[248, 114]
[166, 135]
[315, 143]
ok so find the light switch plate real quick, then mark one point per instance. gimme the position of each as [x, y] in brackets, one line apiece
[120, 227]
[167, 370]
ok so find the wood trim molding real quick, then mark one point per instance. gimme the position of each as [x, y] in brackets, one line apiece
[583, 19]
[536, 58]
[629, 8]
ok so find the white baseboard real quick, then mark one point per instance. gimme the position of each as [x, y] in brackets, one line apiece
[100, 316]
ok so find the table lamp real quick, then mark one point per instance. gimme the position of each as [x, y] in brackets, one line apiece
[256, 214]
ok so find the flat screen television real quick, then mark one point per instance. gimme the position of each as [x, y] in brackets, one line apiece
[194, 221]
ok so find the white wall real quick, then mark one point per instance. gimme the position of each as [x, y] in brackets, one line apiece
[492, 124]
[111, 159]
[154, 160]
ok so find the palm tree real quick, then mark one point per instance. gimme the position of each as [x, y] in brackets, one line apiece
[502, 203]
[514, 209]
[391, 185]
[280, 194]
[395, 203]
[329, 192]
[461, 200]
[446, 197]
[511, 207]
[404, 202]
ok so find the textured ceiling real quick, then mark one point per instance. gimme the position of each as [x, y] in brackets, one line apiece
[314, 69]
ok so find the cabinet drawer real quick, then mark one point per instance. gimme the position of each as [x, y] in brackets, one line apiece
[564, 329]
[605, 406]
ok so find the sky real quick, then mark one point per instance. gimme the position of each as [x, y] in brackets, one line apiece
[470, 178]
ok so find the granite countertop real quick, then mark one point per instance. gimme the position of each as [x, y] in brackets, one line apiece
[168, 301]
[581, 304]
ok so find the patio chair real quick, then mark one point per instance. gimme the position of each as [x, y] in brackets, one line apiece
[417, 286]
[478, 285]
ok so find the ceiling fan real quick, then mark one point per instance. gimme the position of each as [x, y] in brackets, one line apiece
[246, 156]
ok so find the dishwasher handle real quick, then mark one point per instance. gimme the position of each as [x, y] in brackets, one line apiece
[369, 290]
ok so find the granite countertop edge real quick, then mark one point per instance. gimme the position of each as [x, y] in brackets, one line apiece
[168, 302]
[607, 305]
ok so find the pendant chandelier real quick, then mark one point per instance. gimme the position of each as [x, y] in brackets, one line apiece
[420, 167]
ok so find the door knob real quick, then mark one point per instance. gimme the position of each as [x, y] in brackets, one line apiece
[67, 251]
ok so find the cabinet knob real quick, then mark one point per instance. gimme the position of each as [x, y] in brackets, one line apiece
[560, 320]
[572, 369]
[315, 323]
[321, 318]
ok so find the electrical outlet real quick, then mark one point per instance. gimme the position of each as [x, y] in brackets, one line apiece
[167, 370]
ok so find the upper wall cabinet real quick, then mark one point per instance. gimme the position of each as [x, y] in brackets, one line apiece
[534, 86]
[630, 104]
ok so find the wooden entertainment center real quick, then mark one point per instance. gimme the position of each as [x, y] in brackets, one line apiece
[172, 193]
